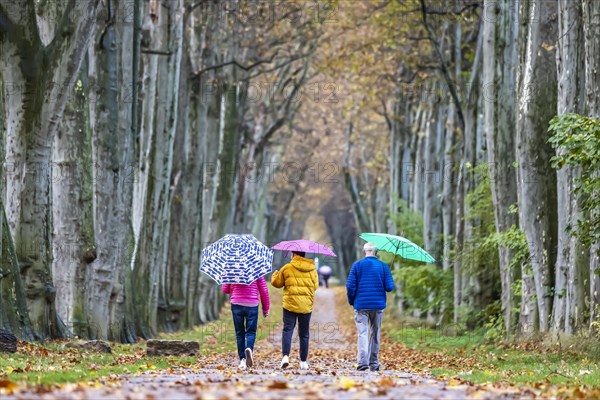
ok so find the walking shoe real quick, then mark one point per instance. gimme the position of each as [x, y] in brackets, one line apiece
[249, 358]
[285, 362]
[303, 365]
[374, 369]
[362, 368]
[242, 364]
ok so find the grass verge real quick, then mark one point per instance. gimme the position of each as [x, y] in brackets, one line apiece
[515, 363]
[50, 363]
[565, 371]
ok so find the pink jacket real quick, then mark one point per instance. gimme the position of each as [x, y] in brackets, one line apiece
[249, 293]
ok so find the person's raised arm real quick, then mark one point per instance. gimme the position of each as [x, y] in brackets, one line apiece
[278, 278]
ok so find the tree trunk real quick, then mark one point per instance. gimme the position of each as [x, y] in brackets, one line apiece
[418, 176]
[111, 77]
[448, 175]
[186, 207]
[47, 68]
[397, 145]
[591, 32]
[13, 305]
[535, 184]
[432, 218]
[157, 136]
[499, 58]
[571, 267]
[72, 211]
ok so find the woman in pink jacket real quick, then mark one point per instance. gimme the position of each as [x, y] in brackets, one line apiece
[244, 308]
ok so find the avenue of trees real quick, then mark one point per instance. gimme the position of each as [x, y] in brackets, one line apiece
[136, 132]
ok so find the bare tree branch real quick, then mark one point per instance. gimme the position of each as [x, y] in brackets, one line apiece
[443, 66]
[237, 64]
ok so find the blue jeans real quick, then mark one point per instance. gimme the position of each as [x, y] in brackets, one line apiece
[289, 323]
[368, 324]
[245, 320]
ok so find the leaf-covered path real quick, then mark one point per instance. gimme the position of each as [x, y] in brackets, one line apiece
[332, 372]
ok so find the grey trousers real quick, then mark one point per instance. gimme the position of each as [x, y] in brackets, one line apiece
[368, 324]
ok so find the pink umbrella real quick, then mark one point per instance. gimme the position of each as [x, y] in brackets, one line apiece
[304, 245]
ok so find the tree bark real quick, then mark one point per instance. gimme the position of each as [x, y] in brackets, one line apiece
[157, 134]
[536, 94]
[186, 207]
[432, 218]
[571, 265]
[591, 32]
[47, 67]
[111, 78]
[499, 58]
[417, 174]
[73, 237]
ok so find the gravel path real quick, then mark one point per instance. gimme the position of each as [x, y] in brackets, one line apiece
[332, 374]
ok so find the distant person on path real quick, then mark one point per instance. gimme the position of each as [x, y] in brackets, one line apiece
[244, 309]
[299, 281]
[367, 283]
[325, 274]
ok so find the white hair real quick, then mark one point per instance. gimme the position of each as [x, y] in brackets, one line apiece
[370, 246]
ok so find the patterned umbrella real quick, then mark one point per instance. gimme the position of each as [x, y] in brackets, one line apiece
[236, 259]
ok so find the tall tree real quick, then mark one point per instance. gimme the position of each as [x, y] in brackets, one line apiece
[536, 99]
[43, 55]
[499, 80]
[73, 240]
[591, 32]
[572, 260]
[111, 75]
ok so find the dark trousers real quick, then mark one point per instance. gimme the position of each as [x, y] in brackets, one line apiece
[245, 320]
[289, 323]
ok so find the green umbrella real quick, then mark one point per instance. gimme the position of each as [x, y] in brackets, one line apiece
[387, 257]
[398, 245]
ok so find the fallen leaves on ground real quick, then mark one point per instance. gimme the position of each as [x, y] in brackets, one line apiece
[405, 373]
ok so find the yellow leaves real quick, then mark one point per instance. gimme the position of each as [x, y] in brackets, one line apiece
[453, 382]
[347, 383]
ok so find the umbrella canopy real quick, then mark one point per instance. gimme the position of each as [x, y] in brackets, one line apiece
[398, 245]
[325, 270]
[304, 245]
[236, 259]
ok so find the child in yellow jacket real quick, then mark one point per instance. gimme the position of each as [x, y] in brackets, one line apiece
[299, 280]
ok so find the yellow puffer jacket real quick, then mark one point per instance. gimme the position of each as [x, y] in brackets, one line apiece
[299, 281]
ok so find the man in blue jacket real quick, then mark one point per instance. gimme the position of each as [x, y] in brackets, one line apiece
[367, 283]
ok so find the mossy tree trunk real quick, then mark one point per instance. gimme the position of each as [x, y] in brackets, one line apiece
[111, 74]
[42, 55]
[74, 248]
[163, 28]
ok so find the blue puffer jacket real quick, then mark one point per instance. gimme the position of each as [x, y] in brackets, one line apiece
[367, 283]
